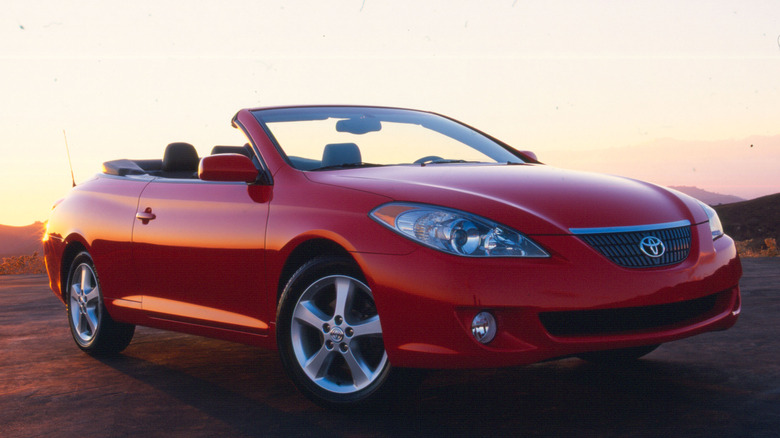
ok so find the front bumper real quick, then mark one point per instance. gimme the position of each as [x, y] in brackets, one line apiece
[572, 302]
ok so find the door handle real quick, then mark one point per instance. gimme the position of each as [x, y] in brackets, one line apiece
[146, 215]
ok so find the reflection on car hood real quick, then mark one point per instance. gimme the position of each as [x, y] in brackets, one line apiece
[535, 199]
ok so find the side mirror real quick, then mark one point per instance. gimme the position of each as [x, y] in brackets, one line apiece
[227, 167]
[530, 155]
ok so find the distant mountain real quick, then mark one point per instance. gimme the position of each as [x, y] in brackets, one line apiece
[16, 241]
[754, 219]
[706, 197]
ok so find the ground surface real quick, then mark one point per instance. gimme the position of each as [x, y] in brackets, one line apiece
[168, 384]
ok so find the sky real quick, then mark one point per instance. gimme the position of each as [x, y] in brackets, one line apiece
[674, 92]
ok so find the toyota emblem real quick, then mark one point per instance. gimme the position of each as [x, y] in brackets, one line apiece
[652, 246]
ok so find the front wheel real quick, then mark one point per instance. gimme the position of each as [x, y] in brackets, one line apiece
[329, 334]
[92, 327]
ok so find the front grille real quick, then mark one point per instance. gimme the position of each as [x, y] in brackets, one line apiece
[623, 247]
[625, 320]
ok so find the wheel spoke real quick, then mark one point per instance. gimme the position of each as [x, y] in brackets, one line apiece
[79, 324]
[345, 288]
[309, 314]
[75, 316]
[74, 296]
[84, 283]
[92, 318]
[368, 327]
[361, 373]
[317, 365]
[93, 296]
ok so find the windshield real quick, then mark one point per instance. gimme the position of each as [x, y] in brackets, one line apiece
[322, 138]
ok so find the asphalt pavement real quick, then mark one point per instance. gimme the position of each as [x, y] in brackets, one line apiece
[170, 384]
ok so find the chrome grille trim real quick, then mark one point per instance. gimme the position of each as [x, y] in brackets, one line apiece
[630, 229]
[621, 245]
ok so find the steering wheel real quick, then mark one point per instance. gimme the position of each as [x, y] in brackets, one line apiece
[428, 159]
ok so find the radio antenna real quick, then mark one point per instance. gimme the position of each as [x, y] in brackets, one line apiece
[67, 149]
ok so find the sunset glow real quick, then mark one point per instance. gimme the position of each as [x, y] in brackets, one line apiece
[671, 92]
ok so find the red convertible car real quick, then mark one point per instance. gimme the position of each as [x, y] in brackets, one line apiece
[362, 241]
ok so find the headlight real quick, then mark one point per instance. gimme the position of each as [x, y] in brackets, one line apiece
[716, 228]
[455, 232]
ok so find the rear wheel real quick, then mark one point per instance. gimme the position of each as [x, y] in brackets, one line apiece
[329, 334]
[92, 327]
[623, 355]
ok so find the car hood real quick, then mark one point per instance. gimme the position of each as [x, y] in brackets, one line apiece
[534, 199]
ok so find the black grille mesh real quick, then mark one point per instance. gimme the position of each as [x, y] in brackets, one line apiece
[623, 248]
[626, 320]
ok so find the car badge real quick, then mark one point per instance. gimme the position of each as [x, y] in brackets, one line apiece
[652, 246]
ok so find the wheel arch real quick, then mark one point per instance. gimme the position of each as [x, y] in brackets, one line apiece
[305, 251]
[72, 250]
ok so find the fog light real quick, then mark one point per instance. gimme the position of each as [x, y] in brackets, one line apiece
[484, 327]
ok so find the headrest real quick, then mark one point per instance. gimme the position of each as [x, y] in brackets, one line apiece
[336, 154]
[180, 157]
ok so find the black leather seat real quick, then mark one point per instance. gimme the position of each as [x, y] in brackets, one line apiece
[180, 161]
[336, 154]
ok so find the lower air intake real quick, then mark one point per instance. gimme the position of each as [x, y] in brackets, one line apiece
[625, 320]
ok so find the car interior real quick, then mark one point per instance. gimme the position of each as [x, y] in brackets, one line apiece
[180, 161]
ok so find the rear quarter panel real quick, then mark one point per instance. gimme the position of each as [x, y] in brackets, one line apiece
[99, 215]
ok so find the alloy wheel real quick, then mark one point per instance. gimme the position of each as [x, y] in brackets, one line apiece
[85, 303]
[336, 335]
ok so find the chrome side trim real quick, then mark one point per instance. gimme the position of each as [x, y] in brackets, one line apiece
[630, 229]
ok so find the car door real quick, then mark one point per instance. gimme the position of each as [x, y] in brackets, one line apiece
[198, 252]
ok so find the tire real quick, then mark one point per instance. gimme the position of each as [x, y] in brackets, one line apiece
[620, 356]
[329, 335]
[91, 326]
